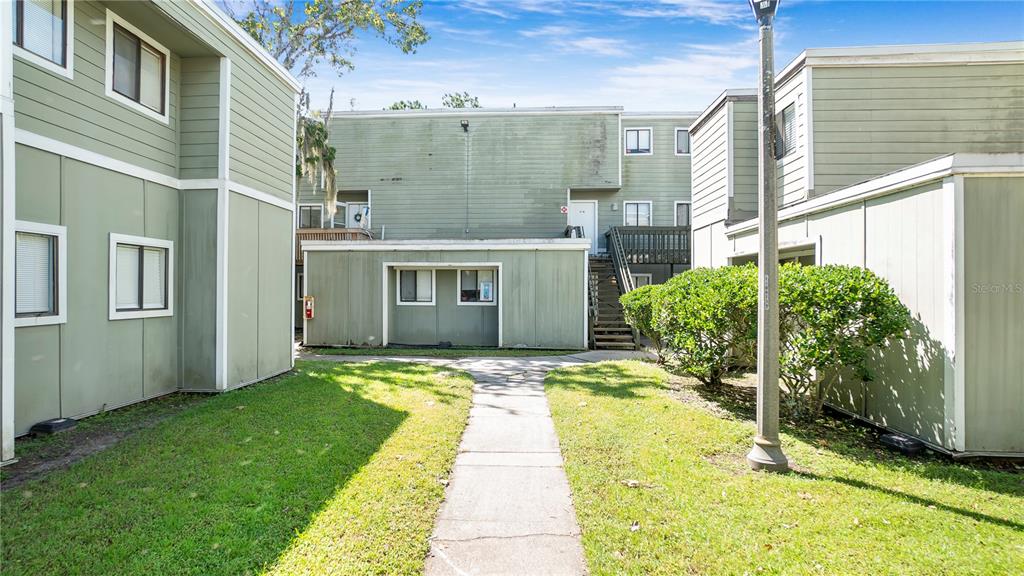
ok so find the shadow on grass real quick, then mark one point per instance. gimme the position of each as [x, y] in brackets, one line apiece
[359, 377]
[612, 379]
[220, 489]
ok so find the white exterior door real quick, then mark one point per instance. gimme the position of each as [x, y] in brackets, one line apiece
[584, 214]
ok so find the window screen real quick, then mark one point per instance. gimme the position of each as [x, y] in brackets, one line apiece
[416, 286]
[785, 134]
[476, 286]
[39, 27]
[138, 70]
[141, 282]
[682, 141]
[35, 283]
[682, 214]
[638, 214]
[638, 141]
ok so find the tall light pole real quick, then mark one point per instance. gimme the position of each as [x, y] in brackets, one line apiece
[767, 451]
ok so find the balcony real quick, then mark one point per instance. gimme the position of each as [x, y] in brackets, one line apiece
[303, 234]
[652, 244]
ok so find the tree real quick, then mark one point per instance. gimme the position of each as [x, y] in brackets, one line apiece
[406, 105]
[460, 100]
[326, 30]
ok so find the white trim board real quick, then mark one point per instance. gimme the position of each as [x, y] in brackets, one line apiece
[60, 282]
[108, 66]
[7, 185]
[68, 70]
[444, 245]
[112, 312]
[33, 140]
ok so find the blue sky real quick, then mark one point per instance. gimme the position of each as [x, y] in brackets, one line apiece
[642, 54]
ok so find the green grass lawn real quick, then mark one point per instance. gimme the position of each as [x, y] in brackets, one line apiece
[660, 485]
[337, 468]
[441, 352]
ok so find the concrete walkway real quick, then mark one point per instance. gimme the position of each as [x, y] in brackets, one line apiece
[507, 508]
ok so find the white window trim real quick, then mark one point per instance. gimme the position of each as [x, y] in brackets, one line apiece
[298, 214]
[61, 289]
[458, 288]
[648, 275]
[650, 210]
[108, 64]
[675, 211]
[68, 70]
[675, 140]
[625, 145]
[113, 312]
[398, 287]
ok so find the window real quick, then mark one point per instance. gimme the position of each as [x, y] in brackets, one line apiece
[300, 286]
[40, 274]
[137, 68]
[636, 213]
[41, 33]
[476, 287]
[683, 214]
[311, 216]
[640, 280]
[682, 142]
[416, 287]
[785, 131]
[638, 141]
[141, 277]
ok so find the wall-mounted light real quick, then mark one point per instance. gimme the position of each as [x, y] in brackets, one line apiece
[465, 125]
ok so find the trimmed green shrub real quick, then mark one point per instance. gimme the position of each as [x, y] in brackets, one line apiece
[707, 318]
[830, 318]
[638, 306]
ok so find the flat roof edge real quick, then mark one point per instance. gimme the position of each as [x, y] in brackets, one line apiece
[445, 245]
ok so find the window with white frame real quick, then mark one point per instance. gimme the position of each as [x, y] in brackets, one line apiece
[682, 213]
[137, 68]
[416, 287]
[311, 216]
[682, 142]
[41, 29]
[636, 213]
[40, 274]
[785, 131]
[300, 283]
[638, 141]
[141, 277]
[476, 287]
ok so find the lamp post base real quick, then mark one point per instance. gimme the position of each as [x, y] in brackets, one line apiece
[767, 455]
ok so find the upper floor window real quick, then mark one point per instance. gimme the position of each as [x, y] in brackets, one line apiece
[40, 273]
[311, 216]
[137, 68]
[636, 213]
[682, 141]
[638, 141]
[41, 32]
[785, 131]
[682, 213]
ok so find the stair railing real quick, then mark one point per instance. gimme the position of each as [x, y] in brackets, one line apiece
[593, 281]
[619, 261]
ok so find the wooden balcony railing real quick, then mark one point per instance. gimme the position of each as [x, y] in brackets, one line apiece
[652, 244]
[302, 234]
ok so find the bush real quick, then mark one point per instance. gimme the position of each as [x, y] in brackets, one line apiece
[707, 318]
[638, 306]
[830, 318]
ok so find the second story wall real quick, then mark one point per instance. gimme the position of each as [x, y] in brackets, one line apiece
[505, 176]
[871, 120]
[200, 117]
[663, 177]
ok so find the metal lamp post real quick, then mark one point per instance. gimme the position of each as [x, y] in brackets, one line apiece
[767, 451]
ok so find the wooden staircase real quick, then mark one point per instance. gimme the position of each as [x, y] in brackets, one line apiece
[610, 331]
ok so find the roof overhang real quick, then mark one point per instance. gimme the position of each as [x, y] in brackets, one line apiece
[730, 95]
[462, 112]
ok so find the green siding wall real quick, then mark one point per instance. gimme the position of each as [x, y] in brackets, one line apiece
[198, 273]
[200, 113]
[870, 120]
[994, 313]
[445, 321]
[745, 160]
[541, 301]
[78, 111]
[275, 291]
[791, 170]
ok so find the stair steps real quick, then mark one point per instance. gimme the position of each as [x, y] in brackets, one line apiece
[610, 329]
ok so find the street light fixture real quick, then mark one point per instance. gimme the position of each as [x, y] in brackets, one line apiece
[767, 451]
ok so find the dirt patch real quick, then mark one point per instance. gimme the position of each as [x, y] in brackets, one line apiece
[39, 455]
[733, 400]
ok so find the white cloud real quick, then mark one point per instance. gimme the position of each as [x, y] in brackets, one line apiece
[567, 39]
[713, 11]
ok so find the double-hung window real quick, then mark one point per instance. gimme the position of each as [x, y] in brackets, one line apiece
[682, 142]
[137, 68]
[476, 287]
[416, 287]
[141, 277]
[785, 131]
[40, 274]
[683, 214]
[638, 141]
[636, 213]
[311, 216]
[42, 33]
